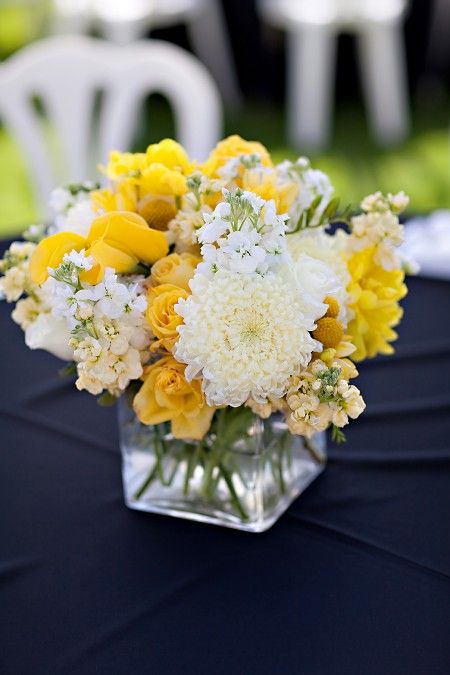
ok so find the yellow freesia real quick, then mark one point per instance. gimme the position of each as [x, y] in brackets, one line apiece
[122, 198]
[50, 252]
[169, 153]
[122, 164]
[167, 395]
[374, 301]
[230, 147]
[158, 179]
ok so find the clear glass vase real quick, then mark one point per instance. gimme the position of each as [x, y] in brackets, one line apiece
[244, 474]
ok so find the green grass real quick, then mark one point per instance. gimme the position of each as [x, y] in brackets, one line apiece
[356, 166]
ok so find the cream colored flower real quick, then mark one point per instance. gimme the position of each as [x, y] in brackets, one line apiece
[245, 335]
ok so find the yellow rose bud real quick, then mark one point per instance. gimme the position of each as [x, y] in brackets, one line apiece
[161, 315]
[176, 269]
[166, 395]
[50, 252]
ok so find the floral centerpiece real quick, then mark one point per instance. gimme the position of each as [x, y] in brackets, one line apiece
[225, 306]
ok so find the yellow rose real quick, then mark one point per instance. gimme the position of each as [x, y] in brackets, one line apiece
[124, 164]
[230, 147]
[50, 252]
[161, 315]
[171, 154]
[122, 239]
[176, 269]
[166, 395]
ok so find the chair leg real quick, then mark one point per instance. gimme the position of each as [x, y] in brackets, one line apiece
[382, 61]
[311, 69]
[208, 34]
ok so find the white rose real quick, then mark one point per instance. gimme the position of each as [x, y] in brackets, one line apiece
[50, 333]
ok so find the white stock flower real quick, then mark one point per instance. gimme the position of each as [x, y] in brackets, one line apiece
[311, 184]
[245, 335]
[12, 284]
[244, 234]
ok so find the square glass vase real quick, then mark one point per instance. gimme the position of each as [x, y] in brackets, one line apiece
[243, 474]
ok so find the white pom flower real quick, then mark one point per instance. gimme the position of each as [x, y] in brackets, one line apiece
[245, 335]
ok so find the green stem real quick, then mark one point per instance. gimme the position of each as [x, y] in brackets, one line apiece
[312, 451]
[234, 497]
[191, 464]
[147, 482]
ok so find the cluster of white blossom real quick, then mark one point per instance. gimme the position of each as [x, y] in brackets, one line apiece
[379, 226]
[72, 208]
[320, 396]
[311, 184]
[14, 267]
[244, 235]
[110, 337]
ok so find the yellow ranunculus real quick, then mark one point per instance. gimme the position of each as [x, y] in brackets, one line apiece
[166, 395]
[230, 147]
[122, 164]
[171, 154]
[176, 269]
[161, 315]
[121, 239]
[50, 252]
[374, 295]
[158, 179]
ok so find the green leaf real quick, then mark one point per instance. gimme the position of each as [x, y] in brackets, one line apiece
[106, 400]
[337, 435]
[331, 210]
[68, 370]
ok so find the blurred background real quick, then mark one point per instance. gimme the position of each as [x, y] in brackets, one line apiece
[360, 86]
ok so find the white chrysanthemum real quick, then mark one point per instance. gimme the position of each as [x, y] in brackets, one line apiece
[245, 335]
[328, 249]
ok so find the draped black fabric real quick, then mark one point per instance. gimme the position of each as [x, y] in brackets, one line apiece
[354, 578]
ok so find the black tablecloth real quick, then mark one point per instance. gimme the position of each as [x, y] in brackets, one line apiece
[353, 580]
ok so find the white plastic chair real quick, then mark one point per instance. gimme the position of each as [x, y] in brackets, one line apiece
[125, 21]
[66, 73]
[312, 27]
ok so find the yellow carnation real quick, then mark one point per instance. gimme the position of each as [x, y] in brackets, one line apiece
[167, 396]
[374, 295]
[161, 315]
[176, 269]
[230, 147]
[157, 179]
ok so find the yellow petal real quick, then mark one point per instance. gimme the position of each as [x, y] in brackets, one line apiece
[50, 252]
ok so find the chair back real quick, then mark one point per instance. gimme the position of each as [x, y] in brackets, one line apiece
[67, 73]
